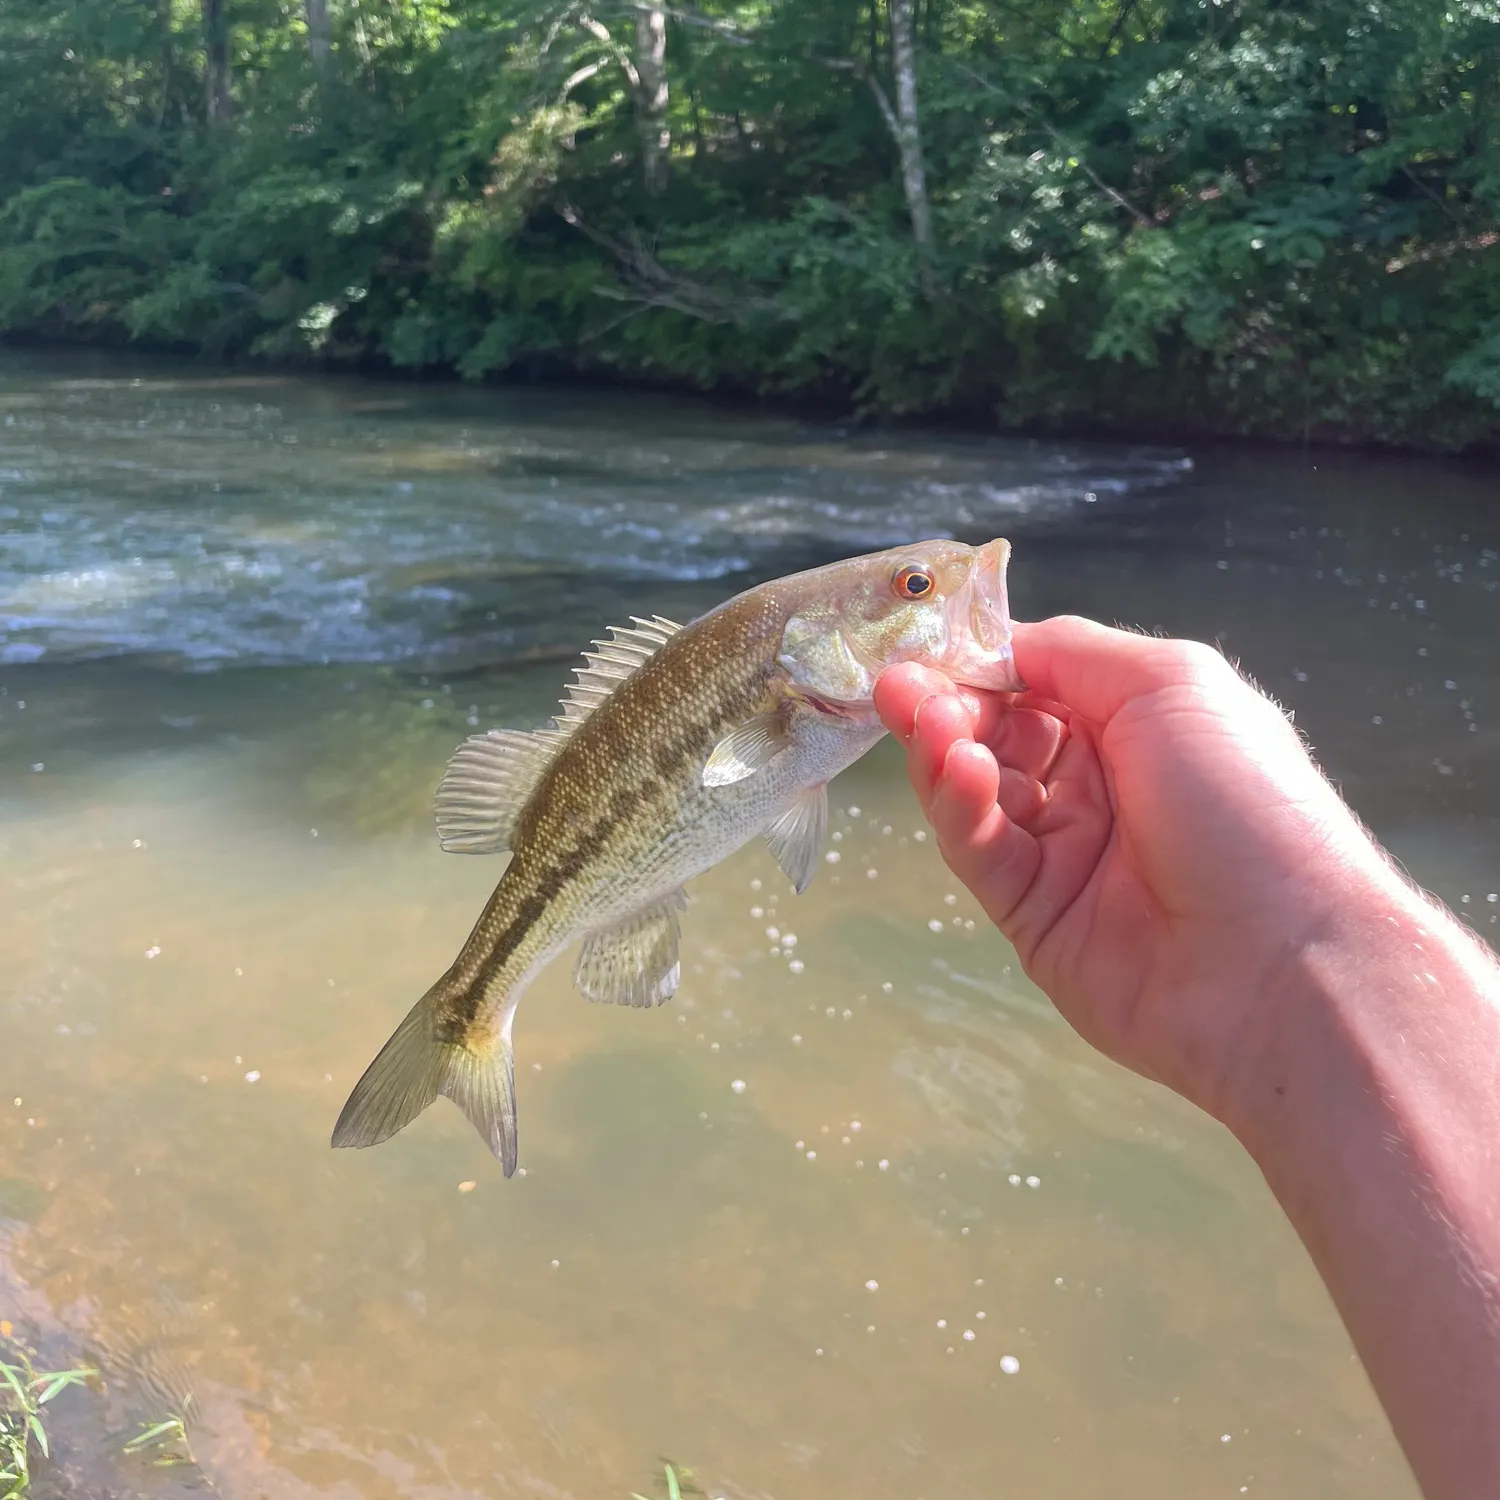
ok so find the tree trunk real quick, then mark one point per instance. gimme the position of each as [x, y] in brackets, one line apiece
[651, 96]
[909, 125]
[216, 62]
[319, 33]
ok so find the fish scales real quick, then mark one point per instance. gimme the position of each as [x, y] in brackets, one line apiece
[676, 746]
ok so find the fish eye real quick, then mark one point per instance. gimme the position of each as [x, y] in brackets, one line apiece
[913, 583]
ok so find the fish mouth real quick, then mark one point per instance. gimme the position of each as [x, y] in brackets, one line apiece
[980, 625]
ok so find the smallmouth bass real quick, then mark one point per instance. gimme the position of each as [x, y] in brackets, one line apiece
[675, 746]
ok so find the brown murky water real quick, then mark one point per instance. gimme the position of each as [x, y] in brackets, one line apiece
[856, 1214]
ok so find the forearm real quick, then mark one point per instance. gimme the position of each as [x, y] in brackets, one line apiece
[1372, 1105]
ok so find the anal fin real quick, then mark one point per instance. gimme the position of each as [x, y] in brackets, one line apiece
[635, 961]
[797, 836]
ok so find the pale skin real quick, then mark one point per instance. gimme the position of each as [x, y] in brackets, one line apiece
[1200, 904]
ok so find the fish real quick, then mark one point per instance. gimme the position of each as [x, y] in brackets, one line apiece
[675, 746]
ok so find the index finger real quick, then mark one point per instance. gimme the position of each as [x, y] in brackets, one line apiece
[1096, 670]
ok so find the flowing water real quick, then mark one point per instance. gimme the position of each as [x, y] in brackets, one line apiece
[856, 1214]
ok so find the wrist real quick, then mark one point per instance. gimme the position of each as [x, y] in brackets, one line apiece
[1386, 1015]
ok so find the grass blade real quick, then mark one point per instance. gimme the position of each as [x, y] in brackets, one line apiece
[40, 1434]
[674, 1490]
[59, 1382]
[153, 1435]
[8, 1374]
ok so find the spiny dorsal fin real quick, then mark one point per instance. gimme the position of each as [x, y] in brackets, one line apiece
[491, 776]
[629, 648]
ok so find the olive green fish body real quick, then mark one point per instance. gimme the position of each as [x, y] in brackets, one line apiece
[675, 748]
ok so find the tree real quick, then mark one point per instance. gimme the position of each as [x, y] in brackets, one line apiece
[319, 33]
[217, 101]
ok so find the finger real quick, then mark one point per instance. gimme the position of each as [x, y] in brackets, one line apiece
[939, 722]
[1021, 797]
[1025, 739]
[901, 691]
[1096, 670]
[1073, 830]
[1022, 734]
[992, 854]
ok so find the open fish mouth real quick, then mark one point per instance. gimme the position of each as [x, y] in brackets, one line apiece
[980, 626]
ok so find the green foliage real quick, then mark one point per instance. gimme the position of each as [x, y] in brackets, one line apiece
[1220, 216]
[24, 1391]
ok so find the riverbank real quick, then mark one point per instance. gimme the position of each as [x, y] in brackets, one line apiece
[728, 399]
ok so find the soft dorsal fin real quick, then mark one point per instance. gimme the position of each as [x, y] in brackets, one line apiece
[629, 648]
[486, 785]
[492, 776]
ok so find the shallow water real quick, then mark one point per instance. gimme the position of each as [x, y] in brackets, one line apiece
[244, 621]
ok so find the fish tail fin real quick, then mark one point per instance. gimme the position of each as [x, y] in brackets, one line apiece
[416, 1065]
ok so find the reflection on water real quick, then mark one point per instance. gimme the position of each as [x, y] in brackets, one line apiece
[856, 1214]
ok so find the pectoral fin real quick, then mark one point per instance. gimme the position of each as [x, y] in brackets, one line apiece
[634, 962]
[796, 837]
[741, 753]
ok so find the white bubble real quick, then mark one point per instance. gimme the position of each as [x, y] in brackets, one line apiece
[154, 951]
[950, 899]
[832, 857]
[1010, 1364]
[934, 925]
[1014, 1179]
[1033, 1182]
[755, 885]
[942, 1322]
[796, 1039]
[852, 811]
[773, 933]
[920, 835]
[968, 1335]
[812, 1156]
[1224, 1437]
[789, 940]
[854, 1125]
[883, 1164]
[872, 1286]
[253, 1076]
[738, 1085]
[556, 1264]
[872, 874]
[796, 966]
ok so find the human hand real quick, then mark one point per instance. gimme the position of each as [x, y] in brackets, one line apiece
[1149, 832]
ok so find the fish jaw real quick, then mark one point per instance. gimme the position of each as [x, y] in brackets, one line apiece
[980, 653]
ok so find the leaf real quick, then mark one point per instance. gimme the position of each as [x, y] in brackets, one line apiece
[674, 1490]
[60, 1382]
[40, 1434]
[172, 1427]
[8, 1374]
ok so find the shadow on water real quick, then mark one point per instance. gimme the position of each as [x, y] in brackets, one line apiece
[856, 1213]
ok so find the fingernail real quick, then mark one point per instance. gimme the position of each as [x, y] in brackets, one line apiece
[916, 716]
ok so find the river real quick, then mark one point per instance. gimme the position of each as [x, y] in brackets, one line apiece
[855, 1214]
